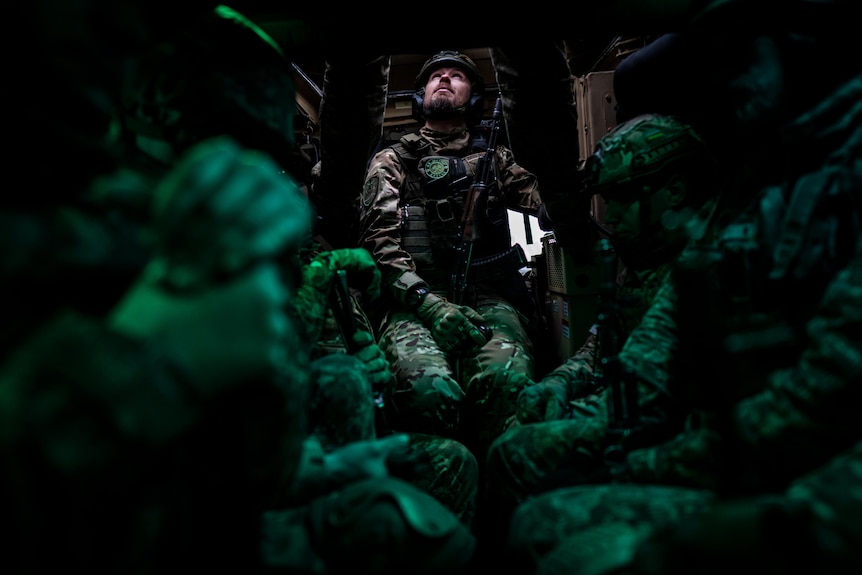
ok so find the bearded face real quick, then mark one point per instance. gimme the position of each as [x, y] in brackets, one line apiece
[447, 92]
[442, 109]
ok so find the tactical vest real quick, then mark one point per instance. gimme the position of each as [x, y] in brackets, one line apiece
[432, 203]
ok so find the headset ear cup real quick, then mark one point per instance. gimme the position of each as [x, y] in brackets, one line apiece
[476, 107]
[416, 108]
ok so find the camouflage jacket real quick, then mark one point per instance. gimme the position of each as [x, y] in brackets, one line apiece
[770, 305]
[384, 197]
[635, 294]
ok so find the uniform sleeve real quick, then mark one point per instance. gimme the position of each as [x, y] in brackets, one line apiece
[82, 398]
[380, 223]
[520, 187]
[809, 412]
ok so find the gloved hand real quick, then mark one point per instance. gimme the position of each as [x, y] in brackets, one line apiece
[364, 459]
[312, 297]
[455, 328]
[376, 365]
[220, 210]
[224, 335]
[547, 400]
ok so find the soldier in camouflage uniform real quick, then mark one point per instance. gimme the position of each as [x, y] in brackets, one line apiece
[450, 380]
[766, 299]
[120, 399]
[113, 469]
[654, 172]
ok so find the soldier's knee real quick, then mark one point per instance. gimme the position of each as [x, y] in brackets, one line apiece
[461, 461]
[387, 527]
[342, 377]
[501, 465]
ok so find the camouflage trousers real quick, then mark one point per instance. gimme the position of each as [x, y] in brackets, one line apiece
[473, 398]
[341, 406]
[342, 410]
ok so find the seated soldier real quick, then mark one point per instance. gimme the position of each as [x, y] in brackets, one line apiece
[450, 341]
[654, 172]
[752, 347]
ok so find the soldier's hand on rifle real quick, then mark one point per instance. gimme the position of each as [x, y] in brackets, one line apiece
[547, 400]
[377, 367]
[362, 272]
[312, 298]
[455, 328]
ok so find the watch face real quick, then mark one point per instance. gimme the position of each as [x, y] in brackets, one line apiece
[415, 296]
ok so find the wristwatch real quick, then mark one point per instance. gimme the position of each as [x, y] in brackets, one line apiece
[415, 296]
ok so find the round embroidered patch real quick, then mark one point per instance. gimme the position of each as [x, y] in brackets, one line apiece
[437, 168]
[369, 191]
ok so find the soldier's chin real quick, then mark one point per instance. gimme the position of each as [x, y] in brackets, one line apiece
[440, 109]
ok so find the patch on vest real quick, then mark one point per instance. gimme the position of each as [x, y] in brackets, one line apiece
[369, 191]
[436, 168]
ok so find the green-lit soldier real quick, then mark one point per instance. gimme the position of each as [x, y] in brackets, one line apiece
[114, 387]
[759, 364]
[655, 173]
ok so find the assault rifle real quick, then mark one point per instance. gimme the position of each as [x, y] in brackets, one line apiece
[474, 203]
[621, 393]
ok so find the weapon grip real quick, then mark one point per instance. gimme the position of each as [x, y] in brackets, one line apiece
[342, 307]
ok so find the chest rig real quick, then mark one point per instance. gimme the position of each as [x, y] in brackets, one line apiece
[432, 205]
[754, 287]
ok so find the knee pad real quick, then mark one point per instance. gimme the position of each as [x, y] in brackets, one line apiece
[387, 527]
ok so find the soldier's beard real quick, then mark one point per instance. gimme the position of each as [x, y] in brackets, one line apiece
[443, 110]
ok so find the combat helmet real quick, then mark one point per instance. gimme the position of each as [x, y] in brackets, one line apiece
[475, 107]
[640, 151]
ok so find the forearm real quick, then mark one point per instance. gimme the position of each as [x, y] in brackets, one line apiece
[310, 479]
[810, 410]
[81, 385]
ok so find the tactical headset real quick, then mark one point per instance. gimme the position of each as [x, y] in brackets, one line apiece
[476, 105]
